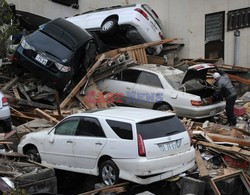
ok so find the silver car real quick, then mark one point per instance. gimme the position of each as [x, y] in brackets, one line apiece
[165, 88]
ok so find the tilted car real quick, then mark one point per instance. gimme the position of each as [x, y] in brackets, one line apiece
[5, 119]
[165, 88]
[58, 52]
[138, 145]
[118, 26]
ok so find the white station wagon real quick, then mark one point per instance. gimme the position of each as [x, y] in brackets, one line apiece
[122, 25]
[138, 145]
[165, 88]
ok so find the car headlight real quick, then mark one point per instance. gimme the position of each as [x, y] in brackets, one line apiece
[25, 45]
[62, 68]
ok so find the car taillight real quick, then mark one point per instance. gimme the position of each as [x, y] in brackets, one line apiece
[142, 12]
[190, 137]
[62, 68]
[4, 101]
[141, 147]
[197, 103]
[161, 35]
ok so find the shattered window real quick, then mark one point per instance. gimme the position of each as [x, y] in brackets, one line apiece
[150, 79]
[130, 75]
[89, 127]
[67, 127]
[122, 129]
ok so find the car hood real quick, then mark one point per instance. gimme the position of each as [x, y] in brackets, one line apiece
[45, 44]
[198, 71]
[40, 134]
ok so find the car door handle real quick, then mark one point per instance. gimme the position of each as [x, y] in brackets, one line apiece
[128, 88]
[98, 143]
[69, 141]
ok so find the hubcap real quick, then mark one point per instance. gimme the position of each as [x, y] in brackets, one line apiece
[107, 25]
[108, 175]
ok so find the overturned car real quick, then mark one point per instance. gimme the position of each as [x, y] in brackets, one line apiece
[59, 53]
[165, 88]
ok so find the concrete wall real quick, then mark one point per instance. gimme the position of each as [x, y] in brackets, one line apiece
[180, 18]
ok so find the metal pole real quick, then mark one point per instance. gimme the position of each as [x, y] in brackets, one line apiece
[236, 47]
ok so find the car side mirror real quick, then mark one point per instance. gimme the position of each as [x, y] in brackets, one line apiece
[51, 137]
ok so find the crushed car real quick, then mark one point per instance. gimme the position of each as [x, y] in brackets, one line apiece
[58, 53]
[122, 25]
[165, 88]
[96, 142]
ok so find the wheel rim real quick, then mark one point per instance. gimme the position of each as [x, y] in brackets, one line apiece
[107, 25]
[33, 157]
[108, 175]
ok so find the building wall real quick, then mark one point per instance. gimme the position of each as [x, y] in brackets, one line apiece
[183, 19]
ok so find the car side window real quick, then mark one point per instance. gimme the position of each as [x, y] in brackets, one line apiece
[122, 129]
[67, 127]
[89, 126]
[130, 75]
[150, 79]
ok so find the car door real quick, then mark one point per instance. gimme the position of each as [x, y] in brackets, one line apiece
[89, 142]
[58, 144]
[148, 90]
[122, 83]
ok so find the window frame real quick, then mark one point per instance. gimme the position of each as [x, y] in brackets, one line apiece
[112, 120]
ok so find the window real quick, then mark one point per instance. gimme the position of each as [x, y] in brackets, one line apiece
[130, 75]
[66, 2]
[150, 79]
[160, 127]
[67, 127]
[237, 19]
[89, 127]
[122, 129]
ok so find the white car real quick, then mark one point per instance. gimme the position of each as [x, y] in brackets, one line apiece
[5, 119]
[165, 88]
[133, 24]
[138, 145]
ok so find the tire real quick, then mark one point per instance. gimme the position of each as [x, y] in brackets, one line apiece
[34, 155]
[109, 172]
[164, 107]
[109, 26]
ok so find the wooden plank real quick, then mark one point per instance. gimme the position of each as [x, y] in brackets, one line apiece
[155, 60]
[16, 93]
[200, 163]
[10, 83]
[46, 116]
[224, 148]
[241, 80]
[21, 88]
[82, 82]
[145, 45]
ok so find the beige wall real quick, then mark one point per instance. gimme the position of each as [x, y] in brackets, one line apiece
[184, 19]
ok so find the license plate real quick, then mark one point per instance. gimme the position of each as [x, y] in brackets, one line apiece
[168, 146]
[41, 59]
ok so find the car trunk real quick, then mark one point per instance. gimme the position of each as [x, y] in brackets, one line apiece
[163, 137]
[194, 81]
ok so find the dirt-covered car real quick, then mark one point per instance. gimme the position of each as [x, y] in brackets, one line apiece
[59, 53]
[121, 25]
[165, 88]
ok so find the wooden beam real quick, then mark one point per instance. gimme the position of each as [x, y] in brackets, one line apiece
[16, 93]
[200, 163]
[46, 116]
[82, 82]
[223, 138]
[10, 83]
[239, 79]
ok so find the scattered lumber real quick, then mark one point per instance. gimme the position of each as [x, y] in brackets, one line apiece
[10, 83]
[200, 163]
[46, 116]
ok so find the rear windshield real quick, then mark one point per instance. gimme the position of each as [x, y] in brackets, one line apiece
[160, 127]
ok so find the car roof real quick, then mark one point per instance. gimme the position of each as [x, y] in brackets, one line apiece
[77, 35]
[156, 68]
[128, 113]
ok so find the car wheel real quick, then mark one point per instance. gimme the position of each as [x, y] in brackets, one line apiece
[109, 26]
[109, 172]
[164, 107]
[34, 155]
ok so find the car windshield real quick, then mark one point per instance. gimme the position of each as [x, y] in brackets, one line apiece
[160, 127]
[174, 80]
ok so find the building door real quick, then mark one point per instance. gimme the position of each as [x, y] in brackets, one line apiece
[214, 35]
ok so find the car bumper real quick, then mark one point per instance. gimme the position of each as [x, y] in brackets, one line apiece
[198, 112]
[57, 79]
[146, 171]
